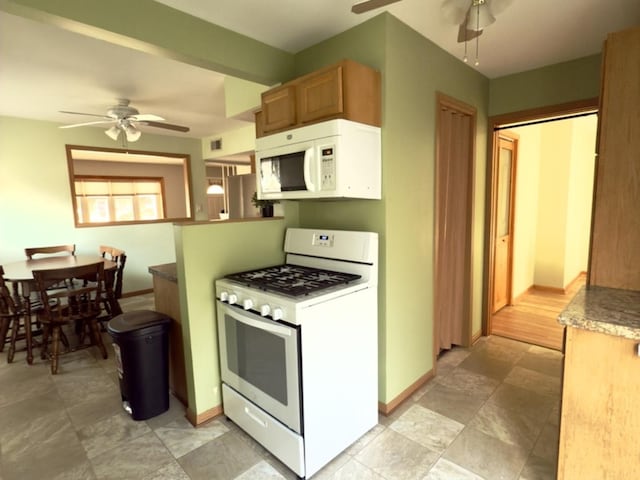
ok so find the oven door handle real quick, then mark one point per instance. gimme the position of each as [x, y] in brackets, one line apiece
[265, 325]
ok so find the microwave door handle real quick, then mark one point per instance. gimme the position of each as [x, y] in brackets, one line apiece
[263, 325]
[308, 177]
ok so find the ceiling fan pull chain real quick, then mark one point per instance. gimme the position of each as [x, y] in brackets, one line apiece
[477, 29]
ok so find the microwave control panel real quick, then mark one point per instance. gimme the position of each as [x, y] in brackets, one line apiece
[328, 167]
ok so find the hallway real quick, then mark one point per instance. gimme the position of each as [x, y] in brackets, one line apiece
[533, 317]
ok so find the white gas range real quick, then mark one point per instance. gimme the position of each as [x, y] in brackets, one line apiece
[298, 347]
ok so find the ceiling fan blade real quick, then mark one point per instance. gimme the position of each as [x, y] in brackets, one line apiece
[168, 126]
[363, 7]
[144, 117]
[82, 113]
[470, 34]
[455, 11]
[86, 123]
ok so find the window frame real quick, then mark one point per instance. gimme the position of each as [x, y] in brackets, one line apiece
[186, 177]
[112, 196]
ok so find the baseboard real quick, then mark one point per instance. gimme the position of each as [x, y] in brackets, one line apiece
[476, 336]
[199, 419]
[579, 278]
[519, 297]
[545, 288]
[137, 292]
[388, 408]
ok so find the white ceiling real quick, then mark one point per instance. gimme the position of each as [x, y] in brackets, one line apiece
[44, 69]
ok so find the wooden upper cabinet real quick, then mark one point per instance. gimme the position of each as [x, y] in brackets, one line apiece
[346, 90]
[320, 95]
[615, 234]
[278, 108]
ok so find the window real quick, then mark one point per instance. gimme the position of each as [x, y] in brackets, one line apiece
[118, 199]
[112, 186]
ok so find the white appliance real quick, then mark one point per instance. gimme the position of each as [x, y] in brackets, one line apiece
[240, 189]
[299, 347]
[332, 159]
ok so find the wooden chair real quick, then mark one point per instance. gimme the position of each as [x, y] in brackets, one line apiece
[77, 304]
[14, 321]
[118, 256]
[31, 251]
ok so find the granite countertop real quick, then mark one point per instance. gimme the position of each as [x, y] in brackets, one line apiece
[605, 310]
[167, 271]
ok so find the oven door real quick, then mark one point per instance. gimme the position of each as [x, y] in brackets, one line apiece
[259, 358]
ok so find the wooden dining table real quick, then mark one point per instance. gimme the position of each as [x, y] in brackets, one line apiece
[20, 274]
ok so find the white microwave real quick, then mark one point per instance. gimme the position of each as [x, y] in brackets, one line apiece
[332, 159]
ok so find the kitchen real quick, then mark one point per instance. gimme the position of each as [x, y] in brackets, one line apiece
[407, 96]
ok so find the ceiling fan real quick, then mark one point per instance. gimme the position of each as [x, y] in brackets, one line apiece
[126, 119]
[472, 17]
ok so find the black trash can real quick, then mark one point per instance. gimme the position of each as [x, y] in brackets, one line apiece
[141, 344]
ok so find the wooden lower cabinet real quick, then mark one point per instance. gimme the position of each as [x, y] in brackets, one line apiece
[600, 419]
[167, 301]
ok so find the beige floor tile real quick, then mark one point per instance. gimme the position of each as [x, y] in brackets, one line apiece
[134, 459]
[486, 456]
[180, 437]
[451, 402]
[534, 381]
[394, 456]
[446, 470]
[428, 428]
[223, 458]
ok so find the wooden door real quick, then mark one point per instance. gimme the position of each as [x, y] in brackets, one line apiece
[503, 240]
[455, 153]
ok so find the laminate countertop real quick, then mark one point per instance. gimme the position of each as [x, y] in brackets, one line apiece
[605, 310]
[168, 271]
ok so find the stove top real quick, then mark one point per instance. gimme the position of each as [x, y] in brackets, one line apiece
[292, 280]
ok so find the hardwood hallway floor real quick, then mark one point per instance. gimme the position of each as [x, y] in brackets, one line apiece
[533, 318]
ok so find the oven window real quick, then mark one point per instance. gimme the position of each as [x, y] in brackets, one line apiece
[258, 357]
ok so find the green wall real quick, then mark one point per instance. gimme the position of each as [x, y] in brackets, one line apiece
[35, 196]
[551, 85]
[413, 70]
[206, 252]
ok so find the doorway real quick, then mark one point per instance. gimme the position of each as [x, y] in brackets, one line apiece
[542, 228]
[454, 175]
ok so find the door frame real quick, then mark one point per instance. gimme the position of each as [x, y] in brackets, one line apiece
[443, 100]
[514, 119]
[513, 138]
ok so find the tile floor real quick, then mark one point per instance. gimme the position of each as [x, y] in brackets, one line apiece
[492, 413]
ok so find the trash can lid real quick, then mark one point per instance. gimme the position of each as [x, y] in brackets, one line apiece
[138, 320]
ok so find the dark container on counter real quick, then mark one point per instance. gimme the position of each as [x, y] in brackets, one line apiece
[141, 344]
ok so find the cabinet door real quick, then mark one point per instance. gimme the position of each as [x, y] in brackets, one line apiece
[320, 96]
[279, 108]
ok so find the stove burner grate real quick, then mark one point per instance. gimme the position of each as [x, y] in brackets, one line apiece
[292, 280]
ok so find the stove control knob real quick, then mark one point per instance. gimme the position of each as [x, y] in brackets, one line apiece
[265, 310]
[233, 298]
[247, 304]
[277, 314]
[224, 296]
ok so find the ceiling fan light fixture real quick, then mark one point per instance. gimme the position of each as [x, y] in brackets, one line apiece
[133, 134]
[113, 132]
[480, 16]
